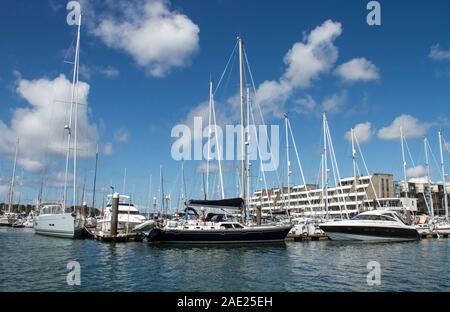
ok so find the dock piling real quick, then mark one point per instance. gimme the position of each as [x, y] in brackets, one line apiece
[115, 214]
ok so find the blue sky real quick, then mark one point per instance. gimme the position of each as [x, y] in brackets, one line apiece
[133, 107]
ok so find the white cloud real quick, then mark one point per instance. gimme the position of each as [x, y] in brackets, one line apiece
[358, 69]
[412, 128]
[305, 61]
[416, 172]
[305, 105]
[40, 125]
[363, 133]
[107, 149]
[317, 54]
[334, 103]
[157, 37]
[108, 71]
[121, 135]
[56, 5]
[438, 54]
[271, 96]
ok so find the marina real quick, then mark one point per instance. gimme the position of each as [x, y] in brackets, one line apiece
[140, 154]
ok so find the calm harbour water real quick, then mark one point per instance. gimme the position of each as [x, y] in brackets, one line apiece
[30, 262]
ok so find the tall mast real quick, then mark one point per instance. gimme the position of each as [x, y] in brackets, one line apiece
[149, 199]
[325, 163]
[213, 112]
[443, 176]
[352, 133]
[13, 178]
[288, 164]
[249, 165]
[402, 139]
[161, 188]
[242, 99]
[77, 66]
[209, 135]
[183, 181]
[69, 126]
[95, 182]
[41, 190]
[427, 160]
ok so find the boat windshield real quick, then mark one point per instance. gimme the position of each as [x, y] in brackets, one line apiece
[51, 209]
[131, 212]
[374, 217]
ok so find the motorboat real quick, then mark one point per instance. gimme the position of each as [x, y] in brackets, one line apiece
[5, 219]
[375, 225]
[29, 221]
[442, 228]
[305, 227]
[128, 217]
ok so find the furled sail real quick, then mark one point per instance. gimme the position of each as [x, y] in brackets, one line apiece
[229, 203]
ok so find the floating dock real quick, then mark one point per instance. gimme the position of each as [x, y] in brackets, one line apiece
[433, 235]
[119, 237]
[301, 237]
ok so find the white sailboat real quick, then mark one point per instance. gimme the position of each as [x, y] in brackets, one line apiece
[57, 219]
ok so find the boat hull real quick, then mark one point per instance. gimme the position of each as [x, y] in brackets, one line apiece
[443, 230]
[57, 225]
[250, 235]
[365, 233]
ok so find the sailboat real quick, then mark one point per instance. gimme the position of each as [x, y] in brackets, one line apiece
[56, 219]
[221, 228]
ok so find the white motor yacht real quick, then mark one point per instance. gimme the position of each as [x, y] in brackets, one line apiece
[128, 218]
[375, 225]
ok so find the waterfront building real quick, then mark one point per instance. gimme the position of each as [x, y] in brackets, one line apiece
[350, 196]
[419, 189]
